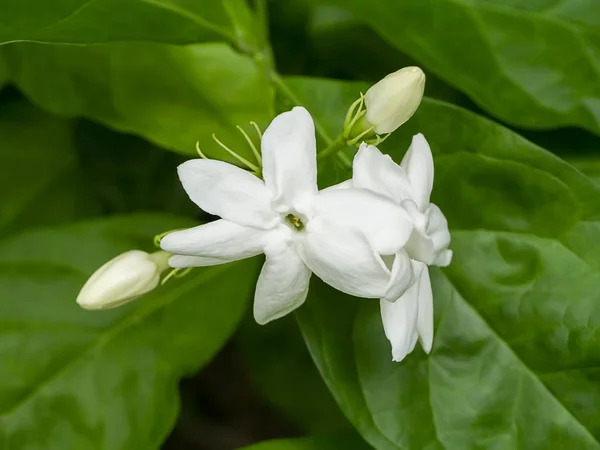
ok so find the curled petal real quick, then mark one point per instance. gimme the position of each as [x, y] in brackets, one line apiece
[443, 259]
[420, 247]
[227, 191]
[425, 308]
[402, 276]
[220, 239]
[438, 229]
[283, 283]
[377, 172]
[411, 316]
[343, 258]
[400, 323]
[289, 157]
[386, 225]
[418, 165]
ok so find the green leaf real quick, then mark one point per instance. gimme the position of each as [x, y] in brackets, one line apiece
[96, 21]
[40, 180]
[325, 442]
[103, 379]
[172, 96]
[515, 359]
[282, 369]
[532, 64]
[589, 165]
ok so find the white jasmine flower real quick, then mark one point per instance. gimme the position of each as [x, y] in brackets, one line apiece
[393, 100]
[409, 184]
[338, 235]
[123, 279]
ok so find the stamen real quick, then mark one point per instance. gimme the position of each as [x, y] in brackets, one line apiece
[251, 144]
[176, 273]
[160, 236]
[168, 277]
[257, 128]
[202, 155]
[235, 155]
[295, 221]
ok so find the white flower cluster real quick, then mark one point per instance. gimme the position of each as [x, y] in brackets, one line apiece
[372, 236]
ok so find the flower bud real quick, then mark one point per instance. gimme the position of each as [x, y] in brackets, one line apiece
[393, 100]
[123, 279]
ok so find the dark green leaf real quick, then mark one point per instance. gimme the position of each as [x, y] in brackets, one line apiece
[332, 442]
[172, 96]
[531, 63]
[40, 180]
[282, 369]
[588, 165]
[94, 21]
[515, 362]
[105, 379]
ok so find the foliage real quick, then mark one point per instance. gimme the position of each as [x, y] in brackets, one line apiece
[96, 129]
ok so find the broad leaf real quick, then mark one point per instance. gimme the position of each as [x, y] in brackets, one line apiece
[325, 442]
[285, 374]
[589, 165]
[40, 180]
[515, 359]
[105, 379]
[94, 21]
[172, 96]
[532, 64]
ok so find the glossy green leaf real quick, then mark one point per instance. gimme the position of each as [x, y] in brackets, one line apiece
[325, 442]
[515, 361]
[95, 21]
[589, 165]
[40, 180]
[531, 63]
[172, 96]
[104, 379]
[285, 374]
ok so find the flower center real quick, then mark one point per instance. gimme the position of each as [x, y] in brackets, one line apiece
[295, 221]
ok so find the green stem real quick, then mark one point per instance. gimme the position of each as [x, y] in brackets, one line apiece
[263, 57]
[334, 148]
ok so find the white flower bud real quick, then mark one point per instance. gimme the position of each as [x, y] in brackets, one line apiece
[393, 100]
[123, 279]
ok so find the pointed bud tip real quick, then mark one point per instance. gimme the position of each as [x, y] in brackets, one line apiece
[121, 280]
[394, 99]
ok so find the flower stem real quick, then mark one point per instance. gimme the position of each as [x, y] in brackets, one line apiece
[335, 147]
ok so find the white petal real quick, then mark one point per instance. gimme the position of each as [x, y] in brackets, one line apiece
[289, 157]
[385, 224]
[343, 185]
[227, 191]
[420, 247]
[438, 229]
[373, 170]
[402, 276]
[343, 258]
[418, 165]
[443, 259]
[425, 314]
[185, 261]
[400, 323]
[282, 285]
[220, 239]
